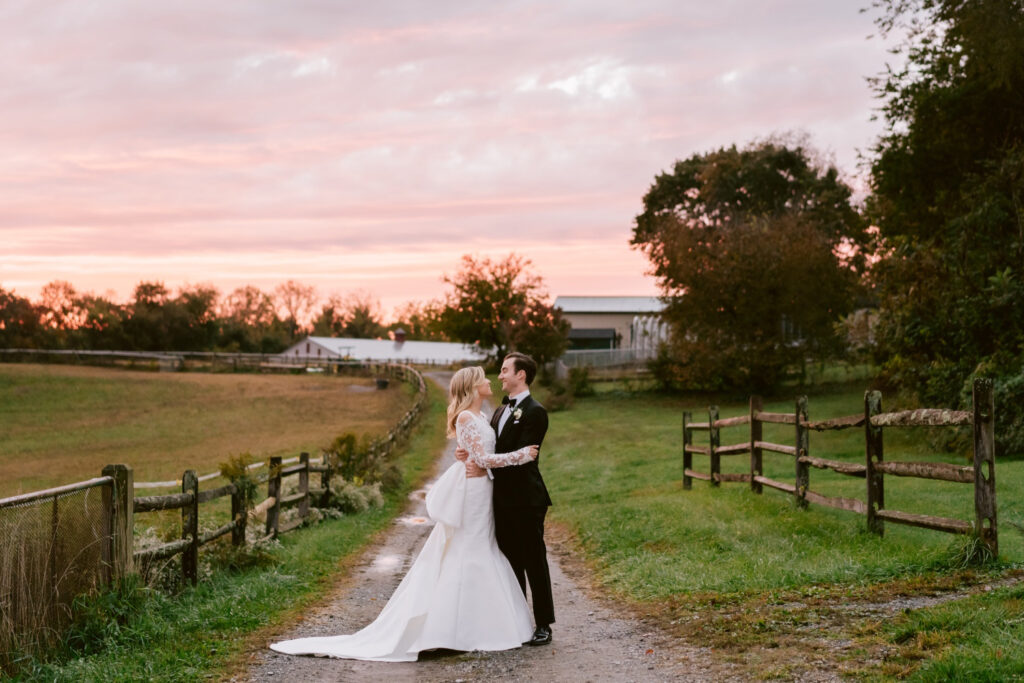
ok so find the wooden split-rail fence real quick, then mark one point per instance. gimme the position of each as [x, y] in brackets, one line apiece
[61, 542]
[874, 468]
[191, 497]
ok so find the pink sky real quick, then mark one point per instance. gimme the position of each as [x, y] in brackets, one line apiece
[367, 146]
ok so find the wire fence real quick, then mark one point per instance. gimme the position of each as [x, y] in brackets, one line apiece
[54, 545]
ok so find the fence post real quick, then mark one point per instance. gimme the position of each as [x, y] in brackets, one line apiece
[304, 485]
[190, 528]
[239, 513]
[714, 443]
[687, 456]
[874, 453]
[274, 491]
[756, 461]
[325, 480]
[121, 521]
[803, 473]
[984, 464]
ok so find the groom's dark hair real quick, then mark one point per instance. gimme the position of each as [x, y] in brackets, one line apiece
[520, 361]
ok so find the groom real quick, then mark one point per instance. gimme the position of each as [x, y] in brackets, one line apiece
[520, 498]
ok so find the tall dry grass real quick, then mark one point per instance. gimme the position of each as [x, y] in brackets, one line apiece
[51, 551]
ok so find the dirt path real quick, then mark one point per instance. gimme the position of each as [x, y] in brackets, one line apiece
[592, 642]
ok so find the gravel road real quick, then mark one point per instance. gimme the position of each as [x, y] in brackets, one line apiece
[592, 641]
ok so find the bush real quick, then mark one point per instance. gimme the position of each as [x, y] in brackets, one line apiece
[559, 397]
[359, 460]
[351, 498]
[579, 382]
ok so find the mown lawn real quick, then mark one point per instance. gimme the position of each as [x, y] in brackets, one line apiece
[614, 468]
[60, 423]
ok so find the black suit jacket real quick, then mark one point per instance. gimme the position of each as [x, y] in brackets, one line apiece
[520, 485]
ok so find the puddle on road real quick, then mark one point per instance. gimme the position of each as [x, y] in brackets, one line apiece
[386, 564]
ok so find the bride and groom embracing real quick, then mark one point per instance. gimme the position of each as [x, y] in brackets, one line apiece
[467, 588]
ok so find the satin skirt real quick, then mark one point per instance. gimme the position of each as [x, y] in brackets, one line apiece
[459, 594]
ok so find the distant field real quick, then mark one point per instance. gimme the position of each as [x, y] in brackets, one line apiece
[60, 424]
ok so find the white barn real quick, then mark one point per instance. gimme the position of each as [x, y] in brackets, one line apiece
[613, 322]
[397, 350]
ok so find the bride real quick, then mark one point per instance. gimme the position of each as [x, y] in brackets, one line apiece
[461, 592]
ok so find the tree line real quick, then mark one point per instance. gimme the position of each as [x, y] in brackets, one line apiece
[764, 259]
[499, 304]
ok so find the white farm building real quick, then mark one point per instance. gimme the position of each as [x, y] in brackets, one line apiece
[393, 350]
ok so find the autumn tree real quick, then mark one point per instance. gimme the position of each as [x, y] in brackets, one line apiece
[330, 320]
[420, 320]
[60, 312]
[758, 253]
[250, 322]
[295, 302]
[357, 316]
[20, 325]
[502, 306]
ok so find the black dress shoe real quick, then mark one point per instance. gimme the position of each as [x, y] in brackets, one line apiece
[542, 636]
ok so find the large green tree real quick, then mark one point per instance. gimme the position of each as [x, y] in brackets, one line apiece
[758, 253]
[948, 199]
[502, 306]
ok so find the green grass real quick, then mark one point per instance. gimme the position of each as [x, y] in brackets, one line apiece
[723, 556]
[204, 630]
[979, 638]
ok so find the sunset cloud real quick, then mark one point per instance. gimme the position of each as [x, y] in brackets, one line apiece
[370, 145]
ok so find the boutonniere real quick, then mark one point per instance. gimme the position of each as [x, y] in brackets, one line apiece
[517, 414]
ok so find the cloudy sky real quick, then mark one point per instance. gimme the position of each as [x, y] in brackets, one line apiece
[368, 145]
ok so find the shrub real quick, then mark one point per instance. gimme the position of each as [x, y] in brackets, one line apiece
[579, 382]
[559, 397]
[359, 460]
[351, 498]
[236, 469]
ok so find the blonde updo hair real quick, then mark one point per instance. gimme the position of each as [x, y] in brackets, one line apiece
[463, 392]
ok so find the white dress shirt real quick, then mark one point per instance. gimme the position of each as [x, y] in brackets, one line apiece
[506, 412]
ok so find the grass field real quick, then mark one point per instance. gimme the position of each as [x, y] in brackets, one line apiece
[204, 632]
[710, 563]
[60, 424]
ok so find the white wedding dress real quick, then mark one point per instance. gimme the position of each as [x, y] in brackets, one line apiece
[460, 593]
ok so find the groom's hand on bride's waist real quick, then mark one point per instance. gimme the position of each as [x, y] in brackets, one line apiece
[474, 470]
[461, 454]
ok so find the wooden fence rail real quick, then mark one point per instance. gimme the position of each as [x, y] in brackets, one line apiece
[875, 467]
[191, 497]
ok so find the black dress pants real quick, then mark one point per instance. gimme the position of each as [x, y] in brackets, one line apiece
[520, 535]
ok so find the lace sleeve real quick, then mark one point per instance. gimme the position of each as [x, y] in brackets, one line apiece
[469, 435]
